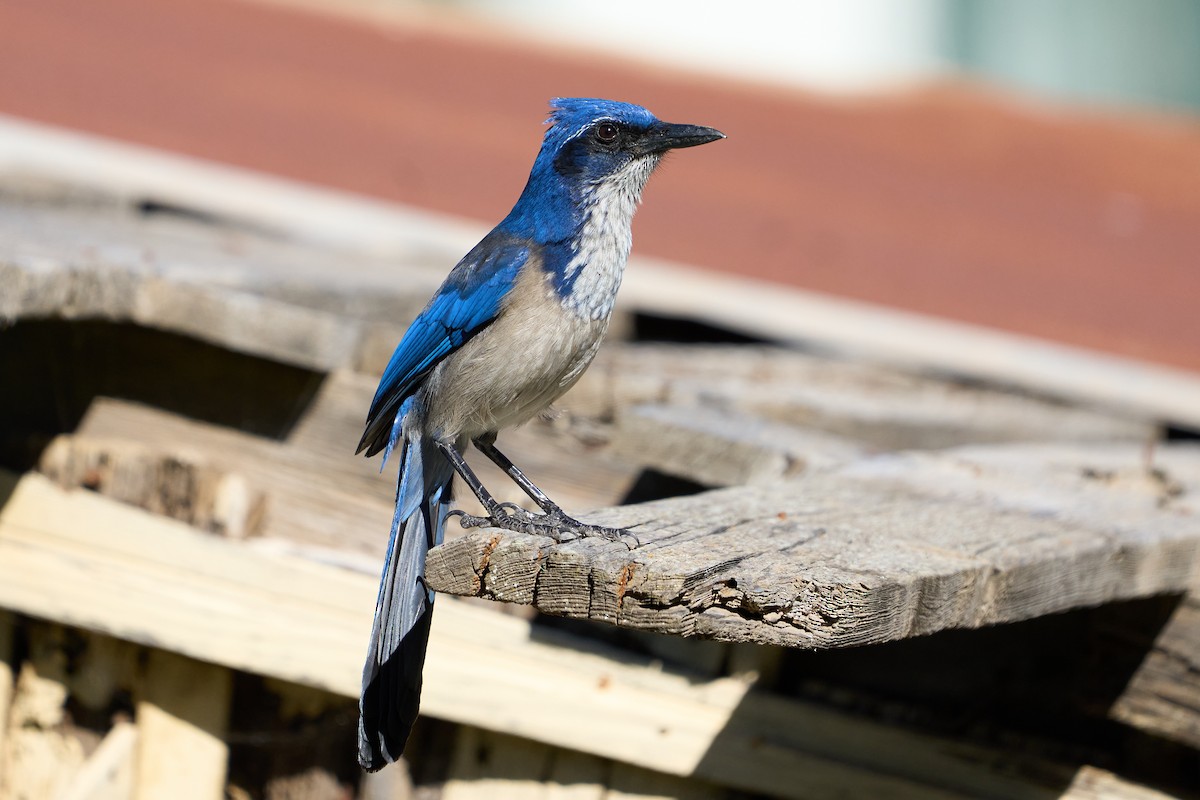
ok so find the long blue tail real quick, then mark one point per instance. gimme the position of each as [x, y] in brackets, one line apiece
[391, 687]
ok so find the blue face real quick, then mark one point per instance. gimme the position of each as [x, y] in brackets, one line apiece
[591, 139]
[588, 141]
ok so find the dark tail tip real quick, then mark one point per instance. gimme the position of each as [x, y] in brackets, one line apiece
[391, 699]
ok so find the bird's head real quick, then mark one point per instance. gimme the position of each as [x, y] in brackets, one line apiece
[593, 144]
[593, 141]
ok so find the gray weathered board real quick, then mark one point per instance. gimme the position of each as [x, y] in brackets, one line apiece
[717, 415]
[732, 414]
[880, 549]
[69, 255]
[244, 289]
[51, 166]
[886, 409]
[310, 488]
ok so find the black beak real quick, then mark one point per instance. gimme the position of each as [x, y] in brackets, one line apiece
[668, 136]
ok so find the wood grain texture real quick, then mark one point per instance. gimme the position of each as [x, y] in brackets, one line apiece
[323, 281]
[725, 415]
[881, 549]
[310, 488]
[880, 407]
[255, 606]
[244, 289]
[179, 486]
[159, 582]
[718, 447]
[108, 773]
[1164, 694]
[183, 715]
[340, 502]
[487, 765]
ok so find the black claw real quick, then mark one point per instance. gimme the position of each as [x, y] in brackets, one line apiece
[515, 510]
[470, 520]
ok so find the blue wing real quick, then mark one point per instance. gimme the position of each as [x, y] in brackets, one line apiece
[465, 304]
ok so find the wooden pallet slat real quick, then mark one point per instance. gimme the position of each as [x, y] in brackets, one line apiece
[880, 549]
[269, 611]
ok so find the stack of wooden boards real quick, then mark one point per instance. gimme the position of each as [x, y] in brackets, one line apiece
[189, 551]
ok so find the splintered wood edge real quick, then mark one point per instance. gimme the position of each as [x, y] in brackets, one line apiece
[769, 581]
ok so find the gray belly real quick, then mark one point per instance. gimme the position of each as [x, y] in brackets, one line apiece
[511, 371]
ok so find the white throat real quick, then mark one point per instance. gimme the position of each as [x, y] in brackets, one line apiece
[596, 269]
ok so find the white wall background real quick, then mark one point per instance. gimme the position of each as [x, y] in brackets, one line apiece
[1112, 52]
[837, 45]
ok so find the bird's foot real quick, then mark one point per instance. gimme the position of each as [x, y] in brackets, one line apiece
[506, 515]
[517, 511]
[554, 525]
[569, 528]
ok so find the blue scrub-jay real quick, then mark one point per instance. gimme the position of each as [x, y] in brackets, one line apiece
[515, 324]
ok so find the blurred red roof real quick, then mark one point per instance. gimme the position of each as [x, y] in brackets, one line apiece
[1077, 227]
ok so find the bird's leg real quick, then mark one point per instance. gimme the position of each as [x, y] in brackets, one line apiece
[553, 514]
[486, 445]
[559, 527]
[496, 511]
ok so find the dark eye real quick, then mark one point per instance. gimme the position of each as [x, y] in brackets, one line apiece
[607, 133]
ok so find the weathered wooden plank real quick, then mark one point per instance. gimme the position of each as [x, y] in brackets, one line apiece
[157, 581]
[880, 407]
[228, 285]
[414, 239]
[780, 313]
[882, 549]
[868, 332]
[325, 308]
[569, 466]
[108, 773]
[41, 755]
[724, 448]
[337, 502]
[8, 676]
[182, 714]
[1091, 783]
[1163, 696]
[175, 485]
[310, 488]
[144, 578]
[329, 308]
[486, 764]
[727, 415]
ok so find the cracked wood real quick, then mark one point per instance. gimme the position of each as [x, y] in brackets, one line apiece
[881, 549]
